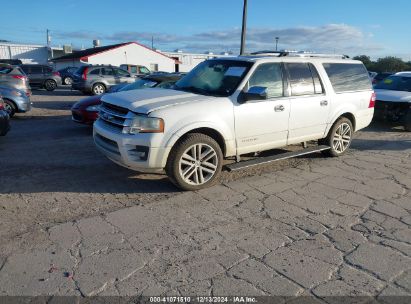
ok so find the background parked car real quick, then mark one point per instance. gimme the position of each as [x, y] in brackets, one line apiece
[394, 99]
[4, 119]
[42, 76]
[86, 110]
[136, 70]
[13, 76]
[98, 79]
[15, 101]
[380, 76]
[66, 75]
[11, 61]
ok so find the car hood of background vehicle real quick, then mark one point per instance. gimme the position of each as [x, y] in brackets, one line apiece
[148, 100]
[393, 96]
[88, 101]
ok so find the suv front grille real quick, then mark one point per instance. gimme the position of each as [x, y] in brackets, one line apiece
[113, 117]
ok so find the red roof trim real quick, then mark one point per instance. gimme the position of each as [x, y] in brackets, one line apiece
[85, 58]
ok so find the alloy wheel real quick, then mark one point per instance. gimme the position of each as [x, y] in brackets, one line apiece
[342, 138]
[98, 89]
[198, 164]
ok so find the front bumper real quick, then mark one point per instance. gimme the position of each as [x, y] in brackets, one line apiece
[135, 152]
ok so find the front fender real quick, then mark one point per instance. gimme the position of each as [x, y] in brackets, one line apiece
[223, 131]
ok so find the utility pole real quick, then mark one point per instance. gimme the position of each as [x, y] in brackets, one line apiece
[48, 37]
[244, 28]
[152, 42]
[276, 43]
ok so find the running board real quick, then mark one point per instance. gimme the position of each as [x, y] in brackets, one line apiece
[273, 158]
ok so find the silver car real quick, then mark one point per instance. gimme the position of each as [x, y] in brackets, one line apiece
[14, 76]
[98, 79]
[15, 101]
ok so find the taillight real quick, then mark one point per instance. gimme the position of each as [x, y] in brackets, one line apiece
[20, 77]
[372, 100]
[56, 74]
[84, 76]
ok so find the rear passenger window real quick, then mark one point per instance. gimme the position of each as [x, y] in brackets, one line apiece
[348, 77]
[268, 75]
[36, 70]
[304, 79]
[95, 72]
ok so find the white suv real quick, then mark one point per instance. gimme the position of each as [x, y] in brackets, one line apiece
[225, 108]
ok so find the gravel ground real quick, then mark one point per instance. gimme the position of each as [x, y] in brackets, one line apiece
[306, 226]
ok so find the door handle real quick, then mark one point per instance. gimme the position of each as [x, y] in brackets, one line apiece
[279, 108]
[324, 103]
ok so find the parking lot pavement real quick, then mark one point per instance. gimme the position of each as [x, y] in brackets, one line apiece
[72, 223]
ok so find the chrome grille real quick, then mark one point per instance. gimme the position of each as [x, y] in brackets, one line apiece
[114, 117]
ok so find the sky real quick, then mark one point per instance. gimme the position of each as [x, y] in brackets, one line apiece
[376, 28]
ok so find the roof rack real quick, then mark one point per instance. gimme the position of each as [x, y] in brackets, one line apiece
[297, 54]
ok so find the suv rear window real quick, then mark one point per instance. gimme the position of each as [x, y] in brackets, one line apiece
[5, 70]
[348, 77]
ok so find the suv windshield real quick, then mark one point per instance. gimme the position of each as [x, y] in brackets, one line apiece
[214, 77]
[395, 83]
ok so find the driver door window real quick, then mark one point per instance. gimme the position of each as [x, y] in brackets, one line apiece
[270, 76]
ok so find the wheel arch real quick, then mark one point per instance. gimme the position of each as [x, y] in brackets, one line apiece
[347, 114]
[13, 102]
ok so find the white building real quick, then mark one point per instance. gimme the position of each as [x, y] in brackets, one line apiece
[28, 53]
[117, 54]
[190, 60]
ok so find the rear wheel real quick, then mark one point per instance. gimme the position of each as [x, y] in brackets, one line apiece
[50, 85]
[195, 162]
[339, 138]
[10, 107]
[98, 89]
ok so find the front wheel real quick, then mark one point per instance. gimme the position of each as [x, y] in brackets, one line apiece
[339, 138]
[98, 89]
[10, 107]
[195, 162]
[50, 85]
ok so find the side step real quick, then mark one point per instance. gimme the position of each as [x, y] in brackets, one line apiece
[273, 158]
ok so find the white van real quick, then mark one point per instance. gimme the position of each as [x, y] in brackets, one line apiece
[225, 108]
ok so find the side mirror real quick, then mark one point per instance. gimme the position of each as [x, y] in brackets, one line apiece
[253, 93]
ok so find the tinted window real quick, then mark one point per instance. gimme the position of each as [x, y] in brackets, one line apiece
[36, 70]
[95, 72]
[318, 87]
[395, 83]
[268, 75]
[107, 71]
[25, 68]
[346, 77]
[133, 69]
[122, 73]
[47, 70]
[301, 79]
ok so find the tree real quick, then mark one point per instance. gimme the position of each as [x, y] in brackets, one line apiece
[390, 64]
[364, 59]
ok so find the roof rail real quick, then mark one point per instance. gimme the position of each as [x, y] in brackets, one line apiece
[297, 54]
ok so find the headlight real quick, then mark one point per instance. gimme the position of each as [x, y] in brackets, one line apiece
[93, 108]
[144, 124]
[16, 93]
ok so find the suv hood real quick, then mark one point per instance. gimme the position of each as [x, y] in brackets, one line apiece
[393, 96]
[145, 101]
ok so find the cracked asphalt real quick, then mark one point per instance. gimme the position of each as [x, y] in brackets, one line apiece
[73, 223]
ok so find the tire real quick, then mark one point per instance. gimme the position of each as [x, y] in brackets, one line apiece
[195, 162]
[50, 85]
[339, 138]
[10, 107]
[98, 89]
[68, 80]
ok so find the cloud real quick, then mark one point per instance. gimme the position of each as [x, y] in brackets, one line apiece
[340, 38]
